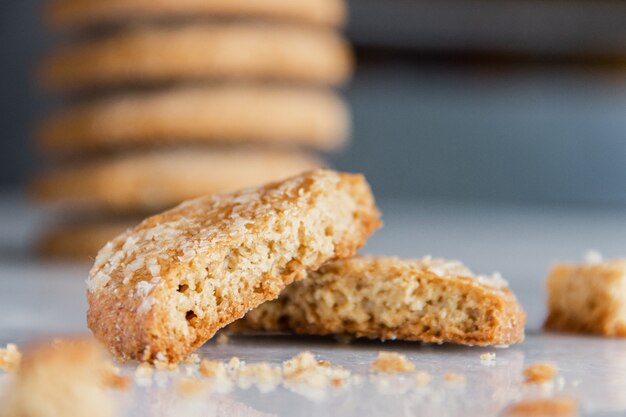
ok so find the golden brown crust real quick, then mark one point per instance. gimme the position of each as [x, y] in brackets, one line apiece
[213, 114]
[80, 242]
[162, 289]
[588, 298]
[427, 300]
[70, 14]
[200, 52]
[158, 179]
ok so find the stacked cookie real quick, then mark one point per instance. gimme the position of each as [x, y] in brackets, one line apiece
[176, 99]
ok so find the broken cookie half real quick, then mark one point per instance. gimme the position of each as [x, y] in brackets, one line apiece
[165, 287]
[429, 300]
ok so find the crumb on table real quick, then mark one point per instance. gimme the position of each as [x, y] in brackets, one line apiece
[10, 358]
[113, 378]
[305, 369]
[488, 357]
[223, 339]
[144, 370]
[190, 386]
[452, 377]
[538, 373]
[212, 369]
[390, 362]
[547, 407]
[422, 378]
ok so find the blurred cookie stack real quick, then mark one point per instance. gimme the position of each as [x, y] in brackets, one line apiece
[165, 100]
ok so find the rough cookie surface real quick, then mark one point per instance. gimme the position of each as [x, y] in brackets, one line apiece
[162, 289]
[431, 300]
[588, 297]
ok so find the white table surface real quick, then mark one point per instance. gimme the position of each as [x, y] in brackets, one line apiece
[39, 298]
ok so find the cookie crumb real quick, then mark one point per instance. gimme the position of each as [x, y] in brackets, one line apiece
[538, 373]
[212, 369]
[304, 369]
[223, 339]
[261, 375]
[324, 363]
[547, 407]
[113, 378]
[234, 363]
[189, 386]
[144, 370]
[391, 362]
[10, 358]
[165, 366]
[452, 377]
[488, 357]
[422, 378]
[193, 358]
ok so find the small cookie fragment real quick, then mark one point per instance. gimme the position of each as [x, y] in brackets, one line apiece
[488, 358]
[10, 358]
[588, 297]
[543, 407]
[305, 370]
[262, 375]
[59, 379]
[384, 297]
[453, 377]
[162, 289]
[114, 379]
[391, 362]
[212, 369]
[538, 373]
[422, 378]
[144, 370]
[190, 386]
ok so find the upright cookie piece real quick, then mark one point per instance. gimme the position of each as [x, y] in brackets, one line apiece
[429, 300]
[588, 297]
[164, 288]
[200, 52]
[155, 180]
[82, 241]
[215, 114]
[72, 14]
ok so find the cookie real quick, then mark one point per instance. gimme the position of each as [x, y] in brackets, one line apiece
[59, 378]
[80, 242]
[158, 179]
[76, 14]
[201, 52]
[162, 289]
[588, 297]
[214, 114]
[378, 297]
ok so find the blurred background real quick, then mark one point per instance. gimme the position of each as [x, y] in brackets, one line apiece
[519, 101]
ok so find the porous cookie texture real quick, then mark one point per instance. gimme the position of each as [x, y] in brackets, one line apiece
[62, 378]
[71, 14]
[588, 297]
[160, 179]
[162, 289]
[82, 241]
[226, 113]
[199, 52]
[430, 300]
